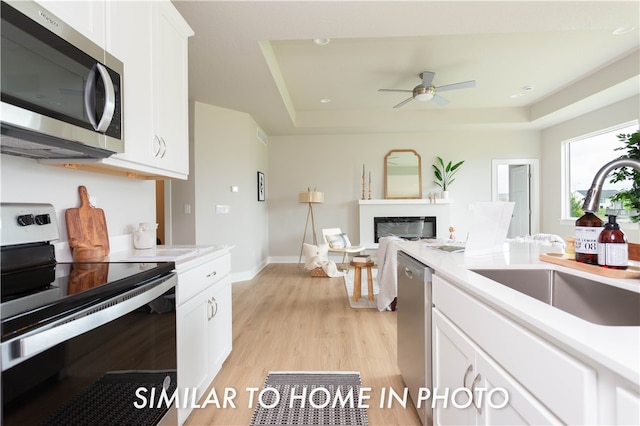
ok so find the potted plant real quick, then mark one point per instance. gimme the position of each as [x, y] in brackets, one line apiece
[630, 198]
[444, 175]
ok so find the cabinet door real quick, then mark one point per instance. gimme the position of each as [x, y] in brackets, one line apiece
[521, 407]
[87, 17]
[192, 347]
[220, 337]
[170, 51]
[129, 27]
[627, 407]
[453, 368]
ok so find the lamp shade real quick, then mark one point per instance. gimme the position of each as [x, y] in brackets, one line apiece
[311, 197]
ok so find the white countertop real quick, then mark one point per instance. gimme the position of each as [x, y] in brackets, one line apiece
[180, 254]
[617, 348]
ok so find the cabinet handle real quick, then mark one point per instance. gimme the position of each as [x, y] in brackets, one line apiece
[473, 393]
[212, 308]
[164, 147]
[466, 373]
[215, 305]
[212, 274]
[158, 144]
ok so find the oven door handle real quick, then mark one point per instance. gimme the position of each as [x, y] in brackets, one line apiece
[92, 317]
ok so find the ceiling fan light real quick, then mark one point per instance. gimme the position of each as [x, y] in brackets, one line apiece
[424, 97]
[422, 94]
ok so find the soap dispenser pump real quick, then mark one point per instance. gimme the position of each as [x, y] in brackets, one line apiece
[613, 250]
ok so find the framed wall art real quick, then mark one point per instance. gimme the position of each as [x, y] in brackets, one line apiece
[261, 186]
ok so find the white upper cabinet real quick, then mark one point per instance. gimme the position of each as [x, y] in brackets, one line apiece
[151, 39]
[171, 84]
[124, 20]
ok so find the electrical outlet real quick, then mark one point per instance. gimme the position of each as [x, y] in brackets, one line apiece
[187, 209]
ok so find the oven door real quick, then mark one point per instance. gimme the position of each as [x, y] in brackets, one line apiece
[97, 368]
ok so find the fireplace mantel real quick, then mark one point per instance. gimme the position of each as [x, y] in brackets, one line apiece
[403, 201]
[369, 209]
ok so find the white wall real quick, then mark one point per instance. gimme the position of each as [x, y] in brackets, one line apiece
[552, 138]
[126, 202]
[333, 164]
[225, 153]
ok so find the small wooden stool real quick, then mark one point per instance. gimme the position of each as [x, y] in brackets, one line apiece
[357, 280]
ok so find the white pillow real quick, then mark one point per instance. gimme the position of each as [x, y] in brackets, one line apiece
[315, 256]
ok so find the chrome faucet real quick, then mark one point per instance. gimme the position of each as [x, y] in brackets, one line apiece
[591, 201]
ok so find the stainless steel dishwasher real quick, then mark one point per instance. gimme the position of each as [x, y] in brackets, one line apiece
[414, 329]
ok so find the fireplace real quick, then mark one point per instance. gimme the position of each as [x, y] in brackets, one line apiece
[370, 209]
[407, 227]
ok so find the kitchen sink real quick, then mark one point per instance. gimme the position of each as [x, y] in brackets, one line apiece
[590, 300]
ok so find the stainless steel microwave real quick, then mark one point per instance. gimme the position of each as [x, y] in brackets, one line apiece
[61, 93]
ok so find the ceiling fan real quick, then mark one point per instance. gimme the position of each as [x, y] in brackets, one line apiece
[428, 92]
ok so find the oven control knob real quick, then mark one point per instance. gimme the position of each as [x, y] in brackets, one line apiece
[26, 220]
[43, 219]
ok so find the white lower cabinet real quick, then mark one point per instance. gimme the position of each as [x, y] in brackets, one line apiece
[478, 391]
[477, 348]
[204, 335]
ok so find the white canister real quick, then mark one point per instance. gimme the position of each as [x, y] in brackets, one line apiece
[145, 236]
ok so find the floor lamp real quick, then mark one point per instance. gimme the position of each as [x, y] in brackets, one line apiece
[310, 197]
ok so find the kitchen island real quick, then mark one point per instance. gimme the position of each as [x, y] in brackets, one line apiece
[556, 366]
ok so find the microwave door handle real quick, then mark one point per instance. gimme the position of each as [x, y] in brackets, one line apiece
[109, 99]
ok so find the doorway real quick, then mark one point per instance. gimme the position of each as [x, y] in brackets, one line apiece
[516, 180]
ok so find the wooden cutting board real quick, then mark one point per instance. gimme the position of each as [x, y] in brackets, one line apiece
[87, 224]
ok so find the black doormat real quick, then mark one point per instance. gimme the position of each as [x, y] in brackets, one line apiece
[310, 398]
[110, 400]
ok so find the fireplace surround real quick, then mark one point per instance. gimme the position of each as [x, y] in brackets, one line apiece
[369, 209]
[407, 227]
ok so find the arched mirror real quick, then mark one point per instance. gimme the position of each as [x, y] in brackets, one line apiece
[402, 174]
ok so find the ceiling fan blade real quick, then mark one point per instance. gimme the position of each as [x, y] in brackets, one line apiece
[427, 78]
[454, 86]
[395, 90]
[404, 102]
[440, 100]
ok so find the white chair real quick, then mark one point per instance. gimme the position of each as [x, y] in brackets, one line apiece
[338, 242]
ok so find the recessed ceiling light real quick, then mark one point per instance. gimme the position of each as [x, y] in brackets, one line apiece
[623, 30]
[325, 101]
[321, 41]
[527, 88]
[515, 95]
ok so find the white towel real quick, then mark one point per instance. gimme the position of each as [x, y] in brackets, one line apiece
[387, 271]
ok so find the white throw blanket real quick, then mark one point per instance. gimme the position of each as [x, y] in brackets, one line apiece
[387, 271]
[317, 257]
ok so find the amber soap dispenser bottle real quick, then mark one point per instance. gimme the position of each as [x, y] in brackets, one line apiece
[587, 231]
[613, 250]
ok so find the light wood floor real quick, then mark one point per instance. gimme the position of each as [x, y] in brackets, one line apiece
[284, 319]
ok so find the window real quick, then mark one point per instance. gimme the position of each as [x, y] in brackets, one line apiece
[584, 157]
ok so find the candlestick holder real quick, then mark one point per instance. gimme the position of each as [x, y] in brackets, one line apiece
[369, 189]
[363, 187]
